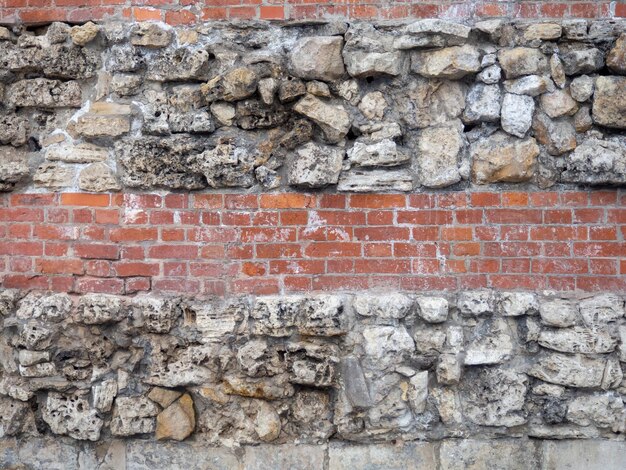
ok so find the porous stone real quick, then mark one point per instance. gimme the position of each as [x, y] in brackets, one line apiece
[133, 415]
[71, 415]
[569, 370]
[95, 309]
[381, 153]
[98, 177]
[84, 34]
[386, 345]
[577, 340]
[514, 304]
[520, 61]
[177, 65]
[558, 136]
[476, 303]
[531, 85]
[558, 312]
[314, 165]
[361, 64]
[438, 158]
[517, 114]
[375, 180]
[483, 103]
[609, 104]
[44, 93]
[150, 35]
[451, 62]
[502, 158]
[432, 309]
[318, 58]
[490, 75]
[13, 167]
[601, 309]
[332, 118]
[490, 343]
[103, 395]
[373, 105]
[543, 31]
[386, 306]
[78, 153]
[234, 85]
[581, 88]
[581, 61]
[597, 161]
[431, 102]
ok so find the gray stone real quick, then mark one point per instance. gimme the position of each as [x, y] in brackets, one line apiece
[98, 177]
[386, 345]
[483, 103]
[158, 314]
[449, 369]
[44, 93]
[361, 64]
[302, 457]
[438, 158]
[587, 454]
[520, 61]
[147, 455]
[388, 306]
[502, 158]
[432, 309]
[48, 453]
[467, 454]
[581, 88]
[580, 61]
[604, 410]
[373, 105]
[94, 309]
[71, 415]
[558, 136]
[437, 26]
[490, 75]
[375, 180]
[52, 308]
[569, 370]
[13, 167]
[430, 102]
[420, 456]
[514, 304]
[531, 85]
[558, 312]
[578, 340]
[601, 309]
[103, 394]
[517, 114]
[476, 303]
[133, 415]
[616, 60]
[381, 153]
[235, 85]
[582, 119]
[597, 161]
[490, 343]
[452, 62]
[332, 118]
[177, 65]
[150, 35]
[13, 130]
[609, 104]
[318, 58]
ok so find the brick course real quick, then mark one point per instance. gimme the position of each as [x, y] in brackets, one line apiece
[290, 242]
[188, 12]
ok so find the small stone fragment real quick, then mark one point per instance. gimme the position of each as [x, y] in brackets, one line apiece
[531, 85]
[332, 118]
[84, 34]
[150, 35]
[382, 153]
[557, 72]
[373, 105]
[98, 177]
[581, 88]
[432, 309]
[483, 103]
[438, 157]
[559, 136]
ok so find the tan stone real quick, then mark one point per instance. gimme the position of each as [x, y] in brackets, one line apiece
[502, 158]
[107, 107]
[543, 31]
[616, 60]
[98, 177]
[332, 118]
[558, 103]
[163, 396]
[97, 125]
[53, 175]
[449, 62]
[84, 34]
[522, 61]
[609, 104]
[80, 153]
[150, 35]
[267, 422]
[177, 421]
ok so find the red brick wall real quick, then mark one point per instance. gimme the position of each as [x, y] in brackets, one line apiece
[192, 11]
[289, 242]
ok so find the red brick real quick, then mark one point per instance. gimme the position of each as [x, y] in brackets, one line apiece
[137, 284]
[429, 283]
[377, 250]
[382, 233]
[278, 250]
[286, 201]
[82, 216]
[377, 201]
[517, 281]
[147, 14]
[98, 268]
[175, 268]
[485, 199]
[254, 269]
[239, 201]
[380, 217]
[56, 232]
[271, 12]
[97, 251]
[436, 217]
[425, 266]
[588, 216]
[600, 249]
[515, 265]
[21, 215]
[560, 266]
[133, 234]
[180, 17]
[456, 233]
[332, 201]
[603, 266]
[107, 216]
[172, 234]
[27, 248]
[267, 235]
[297, 267]
[25, 281]
[38, 200]
[332, 249]
[466, 249]
[59, 266]
[516, 216]
[485, 265]
[331, 283]
[210, 201]
[83, 199]
[132, 269]
[178, 285]
[390, 266]
[256, 286]
[173, 252]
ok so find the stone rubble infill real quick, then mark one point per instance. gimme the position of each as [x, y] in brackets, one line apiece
[449, 454]
[355, 107]
[318, 370]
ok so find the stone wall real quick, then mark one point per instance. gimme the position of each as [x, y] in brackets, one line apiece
[313, 245]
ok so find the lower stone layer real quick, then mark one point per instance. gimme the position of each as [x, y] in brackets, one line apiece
[364, 367]
[450, 454]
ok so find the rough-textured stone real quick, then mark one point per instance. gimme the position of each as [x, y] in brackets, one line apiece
[71, 415]
[84, 34]
[581, 88]
[375, 180]
[580, 61]
[517, 114]
[177, 421]
[609, 104]
[41, 92]
[389, 306]
[597, 161]
[532, 85]
[133, 415]
[318, 58]
[568, 370]
[332, 118]
[559, 136]
[381, 153]
[616, 60]
[451, 62]
[520, 61]
[462, 454]
[150, 35]
[432, 309]
[558, 103]
[438, 156]
[482, 103]
[98, 177]
[314, 165]
[431, 102]
[503, 158]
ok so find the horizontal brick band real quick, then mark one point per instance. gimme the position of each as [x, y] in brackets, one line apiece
[217, 243]
[187, 12]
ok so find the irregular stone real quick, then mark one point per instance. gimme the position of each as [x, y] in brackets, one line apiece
[601, 309]
[13, 130]
[84, 34]
[133, 415]
[559, 137]
[502, 158]
[71, 415]
[558, 103]
[51, 308]
[517, 114]
[13, 167]
[150, 35]
[361, 64]
[577, 340]
[124, 58]
[70, 62]
[543, 31]
[495, 397]
[432, 309]
[613, 374]
[556, 71]
[437, 26]
[375, 180]
[597, 162]
[273, 388]
[558, 312]
[386, 345]
[449, 369]
[44, 93]
[223, 112]
[103, 395]
[482, 103]
[616, 60]
[275, 316]
[235, 85]
[438, 156]
[98, 177]
[520, 61]
[96, 309]
[163, 396]
[448, 405]
[569, 370]
[13, 415]
[531, 85]
[418, 392]
[582, 119]
[581, 88]
[451, 62]
[29, 358]
[332, 118]
[389, 306]
[514, 304]
[267, 423]
[580, 61]
[126, 84]
[429, 341]
[490, 75]
[291, 89]
[317, 58]
[216, 319]
[157, 314]
[382, 153]
[425, 102]
[78, 153]
[45, 369]
[476, 302]
[490, 343]
[609, 104]
[52, 175]
[318, 88]
[373, 105]
[177, 421]
[321, 315]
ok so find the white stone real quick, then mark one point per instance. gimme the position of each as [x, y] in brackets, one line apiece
[517, 114]
[432, 309]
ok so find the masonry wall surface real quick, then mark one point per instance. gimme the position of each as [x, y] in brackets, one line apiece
[328, 243]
